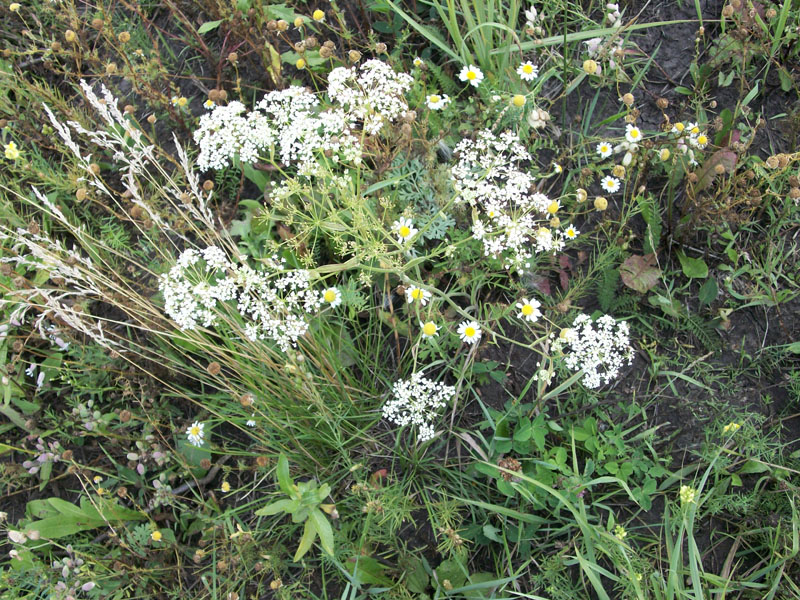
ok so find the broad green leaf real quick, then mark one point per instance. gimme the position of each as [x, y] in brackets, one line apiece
[708, 293]
[284, 480]
[285, 505]
[366, 569]
[324, 530]
[694, 268]
[309, 534]
[208, 26]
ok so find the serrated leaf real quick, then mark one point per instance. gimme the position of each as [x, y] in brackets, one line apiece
[694, 268]
[640, 273]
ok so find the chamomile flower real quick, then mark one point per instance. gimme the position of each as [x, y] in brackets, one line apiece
[570, 232]
[678, 128]
[604, 149]
[414, 293]
[528, 71]
[610, 184]
[318, 15]
[529, 310]
[700, 141]
[11, 151]
[225, 487]
[437, 101]
[209, 104]
[693, 128]
[404, 228]
[156, 536]
[418, 62]
[179, 101]
[633, 134]
[557, 168]
[195, 433]
[429, 329]
[332, 296]
[472, 75]
[469, 332]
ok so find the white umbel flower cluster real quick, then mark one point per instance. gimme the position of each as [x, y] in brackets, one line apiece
[286, 125]
[374, 93]
[598, 348]
[274, 302]
[417, 401]
[291, 127]
[511, 221]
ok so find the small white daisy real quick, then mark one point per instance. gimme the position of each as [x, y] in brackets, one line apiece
[195, 433]
[404, 228]
[469, 332]
[414, 293]
[209, 104]
[557, 168]
[529, 310]
[570, 232]
[418, 62]
[633, 134]
[610, 184]
[528, 71]
[604, 149]
[332, 296]
[693, 128]
[678, 128]
[699, 141]
[429, 329]
[437, 101]
[472, 75]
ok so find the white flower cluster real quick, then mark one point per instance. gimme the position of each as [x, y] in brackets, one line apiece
[286, 124]
[599, 348]
[417, 401]
[510, 219]
[290, 126]
[374, 94]
[273, 302]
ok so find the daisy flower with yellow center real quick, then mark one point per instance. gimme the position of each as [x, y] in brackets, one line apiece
[633, 134]
[332, 296]
[678, 128]
[179, 101]
[528, 71]
[429, 329]
[413, 293]
[610, 184]
[195, 433]
[156, 536]
[472, 75]
[418, 62]
[404, 228]
[225, 487]
[701, 141]
[437, 101]
[318, 15]
[209, 104]
[469, 332]
[693, 128]
[570, 232]
[604, 149]
[529, 310]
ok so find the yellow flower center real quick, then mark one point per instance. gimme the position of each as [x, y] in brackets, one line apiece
[695, 130]
[471, 75]
[429, 328]
[518, 100]
[469, 332]
[435, 99]
[405, 231]
[156, 535]
[634, 133]
[527, 69]
[527, 310]
[195, 431]
[330, 296]
[300, 64]
[553, 208]
[416, 294]
[604, 148]
[702, 139]
[318, 15]
[679, 126]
